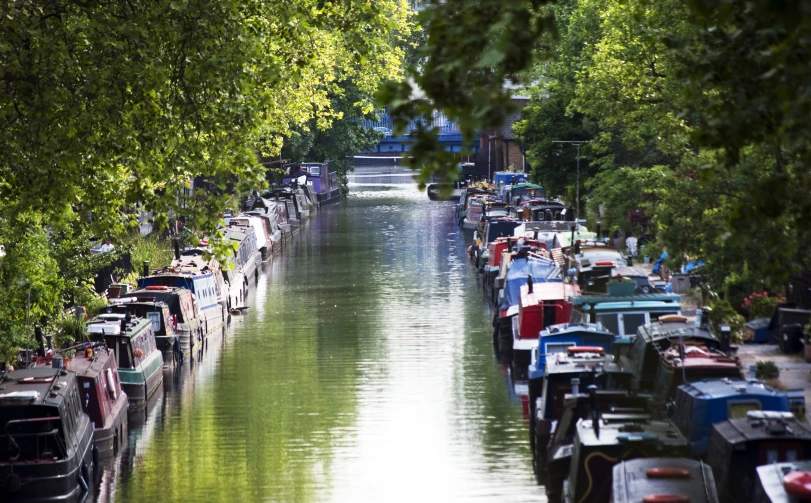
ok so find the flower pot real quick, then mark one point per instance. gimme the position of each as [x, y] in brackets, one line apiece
[621, 289]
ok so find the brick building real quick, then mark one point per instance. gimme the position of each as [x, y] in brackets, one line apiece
[499, 150]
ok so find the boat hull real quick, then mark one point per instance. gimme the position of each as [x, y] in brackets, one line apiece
[110, 437]
[141, 383]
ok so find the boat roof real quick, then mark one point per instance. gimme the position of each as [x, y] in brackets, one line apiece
[566, 328]
[614, 429]
[629, 272]
[674, 330]
[712, 389]
[638, 305]
[236, 233]
[771, 479]
[99, 326]
[93, 366]
[527, 185]
[763, 425]
[634, 480]
[46, 386]
[542, 292]
[562, 363]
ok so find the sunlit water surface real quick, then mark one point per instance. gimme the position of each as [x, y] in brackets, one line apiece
[363, 371]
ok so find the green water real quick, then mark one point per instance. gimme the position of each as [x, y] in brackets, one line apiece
[363, 371]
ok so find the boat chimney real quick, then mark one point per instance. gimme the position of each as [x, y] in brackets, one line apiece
[529, 283]
[177, 249]
[726, 335]
[595, 414]
[599, 229]
[50, 339]
[575, 386]
[146, 268]
[40, 340]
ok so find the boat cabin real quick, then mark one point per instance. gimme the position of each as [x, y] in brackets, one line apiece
[515, 194]
[689, 363]
[553, 454]
[186, 320]
[738, 446]
[654, 339]
[663, 479]
[701, 404]
[263, 243]
[140, 363]
[46, 440]
[540, 306]
[557, 339]
[538, 210]
[624, 315]
[164, 323]
[577, 368]
[783, 483]
[101, 396]
[324, 182]
[602, 443]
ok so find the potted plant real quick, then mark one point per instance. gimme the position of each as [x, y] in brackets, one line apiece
[621, 287]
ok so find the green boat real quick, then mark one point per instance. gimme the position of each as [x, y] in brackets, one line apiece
[139, 360]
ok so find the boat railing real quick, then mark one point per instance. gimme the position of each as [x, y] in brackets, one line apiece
[37, 443]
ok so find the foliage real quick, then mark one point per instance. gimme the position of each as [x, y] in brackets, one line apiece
[766, 370]
[761, 304]
[110, 109]
[723, 313]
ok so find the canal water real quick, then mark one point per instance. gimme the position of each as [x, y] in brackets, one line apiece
[363, 371]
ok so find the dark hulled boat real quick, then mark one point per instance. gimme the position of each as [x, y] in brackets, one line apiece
[102, 397]
[166, 324]
[738, 446]
[671, 480]
[140, 364]
[46, 440]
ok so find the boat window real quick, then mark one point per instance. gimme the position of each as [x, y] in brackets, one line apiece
[791, 455]
[557, 347]
[31, 433]
[315, 170]
[610, 322]
[155, 317]
[771, 456]
[632, 321]
[737, 409]
[123, 354]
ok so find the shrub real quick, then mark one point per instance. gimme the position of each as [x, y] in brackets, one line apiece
[760, 304]
[766, 370]
[722, 312]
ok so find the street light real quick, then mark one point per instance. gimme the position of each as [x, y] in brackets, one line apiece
[577, 196]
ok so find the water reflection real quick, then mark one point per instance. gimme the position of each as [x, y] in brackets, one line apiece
[363, 371]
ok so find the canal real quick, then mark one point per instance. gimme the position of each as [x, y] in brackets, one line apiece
[363, 371]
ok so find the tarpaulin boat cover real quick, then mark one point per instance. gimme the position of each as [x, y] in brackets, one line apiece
[541, 270]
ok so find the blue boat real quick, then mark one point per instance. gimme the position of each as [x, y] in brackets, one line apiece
[701, 404]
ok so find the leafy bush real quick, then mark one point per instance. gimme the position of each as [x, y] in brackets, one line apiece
[766, 370]
[760, 304]
[722, 312]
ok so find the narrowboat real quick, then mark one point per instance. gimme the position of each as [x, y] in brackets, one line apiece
[193, 261]
[46, 441]
[465, 200]
[502, 179]
[653, 339]
[681, 364]
[263, 243]
[738, 446]
[140, 364]
[273, 224]
[516, 194]
[246, 256]
[663, 480]
[285, 198]
[101, 396]
[474, 212]
[601, 443]
[183, 319]
[594, 263]
[541, 305]
[623, 315]
[495, 229]
[521, 268]
[449, 192]
[701, 404]
[552, 457]
[539, 210]
[783, 483]
[207, 302]
[579, 365]
[324, 182]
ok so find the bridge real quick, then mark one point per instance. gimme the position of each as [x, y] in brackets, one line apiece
[449, 135]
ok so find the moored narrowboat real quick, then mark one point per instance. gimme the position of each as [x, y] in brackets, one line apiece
[663, 480]
[186, 321]
[738, 446]
[166, 326]
[101, 396]
[623, 315]
[140, 363]
[540, 306]
[701, 404]
[46, 440]
[324, 182]
[602, 443]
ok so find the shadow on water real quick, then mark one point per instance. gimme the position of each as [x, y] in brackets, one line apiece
[363, 371]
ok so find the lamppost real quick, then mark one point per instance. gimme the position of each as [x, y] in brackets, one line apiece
[577, 194]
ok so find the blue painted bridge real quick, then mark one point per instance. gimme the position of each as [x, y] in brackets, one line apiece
[449, 135]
